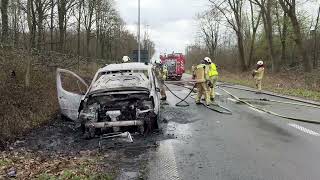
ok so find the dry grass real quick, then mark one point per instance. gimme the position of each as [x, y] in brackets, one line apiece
[288, 83]
[24, 108]
[85, 166]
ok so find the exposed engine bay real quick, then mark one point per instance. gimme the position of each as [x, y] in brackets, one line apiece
[117, 111]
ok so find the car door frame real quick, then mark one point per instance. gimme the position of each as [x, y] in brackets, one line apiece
[69, 102]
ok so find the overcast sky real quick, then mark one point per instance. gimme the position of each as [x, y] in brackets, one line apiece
[171, 23]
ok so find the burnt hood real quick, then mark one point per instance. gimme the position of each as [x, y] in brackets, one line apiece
[121, 81]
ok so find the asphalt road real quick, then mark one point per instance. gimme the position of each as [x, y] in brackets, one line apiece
[248, 144]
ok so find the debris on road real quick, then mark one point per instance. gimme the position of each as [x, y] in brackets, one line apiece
[12, 173]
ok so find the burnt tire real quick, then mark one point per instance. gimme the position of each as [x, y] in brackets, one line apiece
[89, 133]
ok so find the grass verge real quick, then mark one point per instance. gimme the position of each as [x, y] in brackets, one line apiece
[282, 83]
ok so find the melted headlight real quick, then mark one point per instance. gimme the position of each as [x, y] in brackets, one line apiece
[90, 113]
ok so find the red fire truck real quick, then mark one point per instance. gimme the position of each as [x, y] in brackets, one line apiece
[175, 63]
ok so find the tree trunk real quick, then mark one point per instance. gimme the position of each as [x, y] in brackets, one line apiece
[269, 34]
[40, 13]
[61, 17]
[255, 26]
[79, 27]
[31, 23]
[299, 42]
[290, 8]
[88, 42]
[15, 24]
[315, 53]
[284, 39]
[4, 17]
[241, 51]
[51, 25]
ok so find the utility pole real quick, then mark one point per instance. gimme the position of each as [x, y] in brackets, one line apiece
[139, 46]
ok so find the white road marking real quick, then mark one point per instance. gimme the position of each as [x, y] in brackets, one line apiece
[303, 129]
[234, 100]
[256, 110]
[218, 94]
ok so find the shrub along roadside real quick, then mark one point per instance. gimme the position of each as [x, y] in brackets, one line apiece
[24, 106]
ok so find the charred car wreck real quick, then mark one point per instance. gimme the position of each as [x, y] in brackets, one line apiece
[121, 97]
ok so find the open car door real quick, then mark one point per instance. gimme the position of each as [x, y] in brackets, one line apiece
[69, 101]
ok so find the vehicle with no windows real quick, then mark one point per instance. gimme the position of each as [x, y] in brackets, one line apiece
[121, 97]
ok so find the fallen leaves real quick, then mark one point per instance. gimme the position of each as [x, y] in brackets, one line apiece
[35, 165]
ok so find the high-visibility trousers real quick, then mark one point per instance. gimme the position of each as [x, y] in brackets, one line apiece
[214, 80]
[202, 90]
[259, 84]
[162, 89]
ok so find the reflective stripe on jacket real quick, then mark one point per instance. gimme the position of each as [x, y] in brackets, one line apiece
[213, 70]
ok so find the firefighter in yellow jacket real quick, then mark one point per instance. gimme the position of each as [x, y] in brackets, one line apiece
[213, 76]
[201, 74]
[258, 75]
[161, 74]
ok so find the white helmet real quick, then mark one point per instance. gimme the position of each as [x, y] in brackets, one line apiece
[207, 59]
[125, 59]
[158, 61]
[260, 63]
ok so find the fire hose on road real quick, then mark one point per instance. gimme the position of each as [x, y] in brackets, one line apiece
[214, 107]
[271, 112]
[245, 101]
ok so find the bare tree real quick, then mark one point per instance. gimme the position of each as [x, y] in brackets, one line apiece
[210, 25]
[289, 6]
[4, 18]
[63, 7]
[283, 32]
[62, 11]
[42, 6]
[254, 26]
[233, 12]
[53, 3]
[32, 23]
[16, 13]
[78, 14]
[315, 53]
[266, 11]
[88, 11]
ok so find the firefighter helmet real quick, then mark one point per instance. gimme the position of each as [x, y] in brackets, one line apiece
[260, 63]
[158, 61]
[126, 59]
[208, 60]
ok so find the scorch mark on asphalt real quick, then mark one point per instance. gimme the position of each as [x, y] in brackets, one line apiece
[303, 129]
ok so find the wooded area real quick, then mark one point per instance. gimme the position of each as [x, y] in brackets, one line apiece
[238, 33]
[89, 28]
[39, 36]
